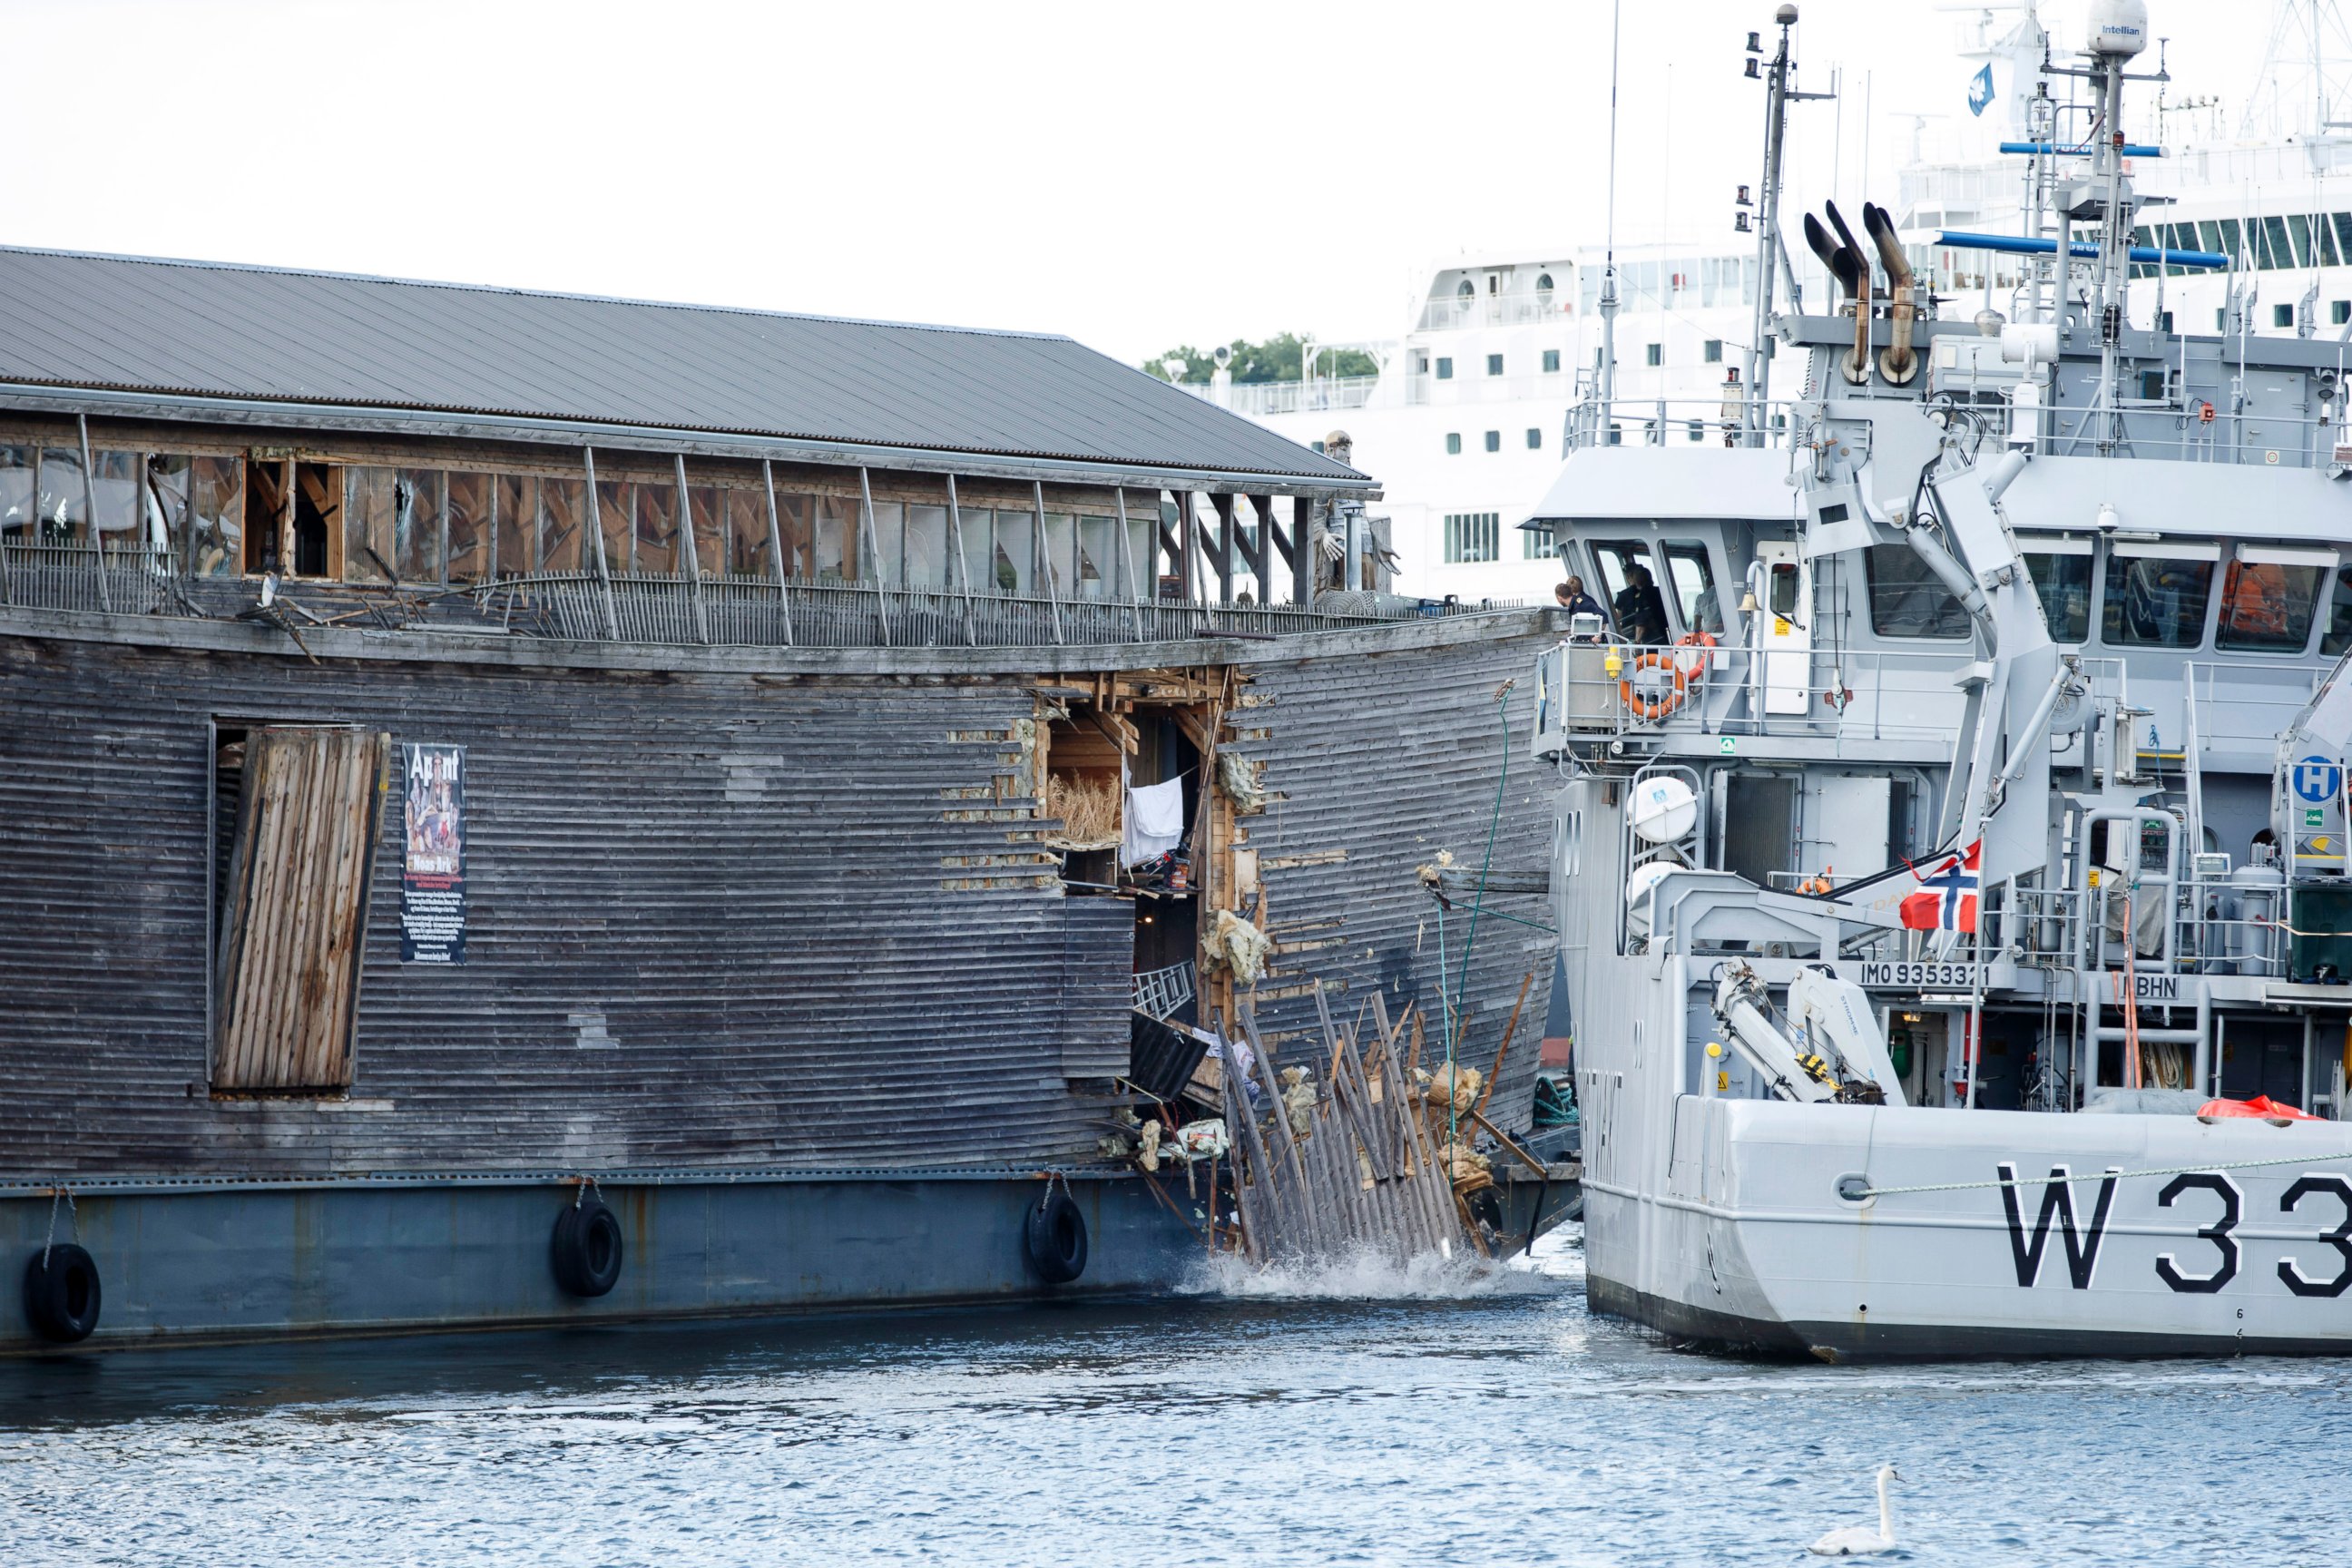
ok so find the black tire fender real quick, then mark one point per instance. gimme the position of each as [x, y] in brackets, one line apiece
[1055, 1238]
[61, 1293]
[586, 1250]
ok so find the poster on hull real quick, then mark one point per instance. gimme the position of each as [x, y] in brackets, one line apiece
[433, 860]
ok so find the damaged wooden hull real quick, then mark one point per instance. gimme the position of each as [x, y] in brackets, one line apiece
[763, 942]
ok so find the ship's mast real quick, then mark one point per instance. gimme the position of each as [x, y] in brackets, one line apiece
[1771, 252]
[1609, 268]
[1768, 229]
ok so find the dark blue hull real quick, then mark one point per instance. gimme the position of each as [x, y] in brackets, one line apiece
[201, 1262]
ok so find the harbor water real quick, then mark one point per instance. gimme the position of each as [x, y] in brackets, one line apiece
[1360, 1418]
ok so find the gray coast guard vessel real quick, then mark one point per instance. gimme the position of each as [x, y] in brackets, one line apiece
[1937, 903]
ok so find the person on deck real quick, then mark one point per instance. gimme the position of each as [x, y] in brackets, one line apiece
[1576, 601]
[1640, 610]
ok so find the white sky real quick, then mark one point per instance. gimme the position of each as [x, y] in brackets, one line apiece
[1132, 176]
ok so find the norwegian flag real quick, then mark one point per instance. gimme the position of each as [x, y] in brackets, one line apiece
[1946, 899]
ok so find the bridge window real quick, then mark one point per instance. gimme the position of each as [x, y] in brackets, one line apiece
[2061, 569]
[1631, 589]
[1907, 599]
[2268, 599]
[2339, 636]
[1690, 572]
[2155, 595]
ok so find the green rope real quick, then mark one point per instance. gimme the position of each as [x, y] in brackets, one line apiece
[1477, 907]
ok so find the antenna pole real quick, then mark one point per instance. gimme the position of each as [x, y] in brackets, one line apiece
[1767, 231]
[1609, 267]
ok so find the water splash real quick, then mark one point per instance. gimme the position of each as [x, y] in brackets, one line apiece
[1364, 1275]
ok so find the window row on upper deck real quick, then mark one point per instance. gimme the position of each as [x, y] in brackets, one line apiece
[222, 516]
[2142, 594]
[2272, 244]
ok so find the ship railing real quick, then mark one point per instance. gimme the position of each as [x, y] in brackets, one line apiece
[2215, 926]
[1730, 690]
[2256, 439]
[1495, 310]
[120, 580]
[1721, 420]
[2243, 706]
[680, 610]
[755, 612]
[1260, 398]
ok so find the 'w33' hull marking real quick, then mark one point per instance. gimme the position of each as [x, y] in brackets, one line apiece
[2082, 1242]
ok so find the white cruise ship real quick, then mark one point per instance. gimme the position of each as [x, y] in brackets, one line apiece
[1466, 421]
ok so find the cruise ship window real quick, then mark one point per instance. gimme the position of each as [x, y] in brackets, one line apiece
[1494, 364]
[2268, 600]
[1690, 572]
[2282, 315]
[1534, 440]
[2154, 601]
[1907, 599]
[1551, 362]
[2061, 581]
[1493, 440]
[1714, 352]
[1454, 443]
[2275, 252]
[1655, 354]
[1472, 536]
[1445, 368]
[2339, 636]
[2340, 312]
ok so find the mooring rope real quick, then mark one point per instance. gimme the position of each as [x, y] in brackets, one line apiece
[2114, 1171]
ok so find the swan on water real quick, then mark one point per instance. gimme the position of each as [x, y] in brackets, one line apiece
[1860, 1539]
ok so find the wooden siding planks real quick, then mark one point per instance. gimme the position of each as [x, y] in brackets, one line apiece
[308, 820]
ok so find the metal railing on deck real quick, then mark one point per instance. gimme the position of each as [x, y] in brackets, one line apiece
[137, 581]
[754, 612]
[1678, 422]
[747, 612]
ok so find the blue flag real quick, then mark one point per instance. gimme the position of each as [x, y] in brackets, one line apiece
[1980, 91]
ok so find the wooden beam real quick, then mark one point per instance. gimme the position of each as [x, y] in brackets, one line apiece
[1121, 734]
[1210, 561]
[1302, 565]
[1225, 505]
[1254, 555]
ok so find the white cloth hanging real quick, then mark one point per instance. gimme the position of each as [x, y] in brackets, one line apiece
[1154, 822]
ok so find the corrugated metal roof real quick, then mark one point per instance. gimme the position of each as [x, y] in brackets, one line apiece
[139, 324]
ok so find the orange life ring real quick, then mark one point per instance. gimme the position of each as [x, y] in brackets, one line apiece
[1693, 662]
[1642, 706]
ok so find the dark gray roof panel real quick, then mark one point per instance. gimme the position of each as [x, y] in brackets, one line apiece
[210, 330]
